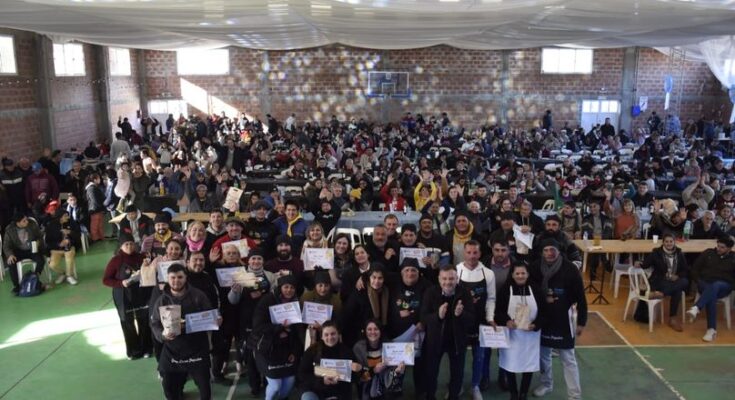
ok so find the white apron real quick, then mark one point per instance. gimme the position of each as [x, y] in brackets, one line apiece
[523, 353]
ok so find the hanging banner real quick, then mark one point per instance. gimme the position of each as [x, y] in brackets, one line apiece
[643, 103]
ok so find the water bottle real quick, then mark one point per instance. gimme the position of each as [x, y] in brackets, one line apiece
[687, 230]
[161, 188]
[586, 240]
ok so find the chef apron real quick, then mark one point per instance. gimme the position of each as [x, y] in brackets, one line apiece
[478, 292]
[523, 352]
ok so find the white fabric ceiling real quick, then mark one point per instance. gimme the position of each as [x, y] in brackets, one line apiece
[382, 24]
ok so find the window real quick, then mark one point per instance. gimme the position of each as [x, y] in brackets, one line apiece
[166, 107]
[69, 59]
[7, 56]
[566, 61]
[203, 62]
[119, 61]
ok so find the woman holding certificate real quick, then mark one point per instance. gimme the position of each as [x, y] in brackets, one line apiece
[378, 380]
[518, 309]
[314, 383]
[122, 274]
[322, 294]
[278, 360]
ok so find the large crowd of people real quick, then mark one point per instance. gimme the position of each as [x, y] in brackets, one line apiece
[477, 193]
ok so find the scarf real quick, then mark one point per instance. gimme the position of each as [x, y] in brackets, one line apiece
[378, 303]
[549, 270]
[671, 262]
[289, 232]
[165, 238]
[463, 238]
[194, 246]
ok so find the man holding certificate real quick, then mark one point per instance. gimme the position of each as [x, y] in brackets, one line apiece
[234, 227]
[448, 315]
[184, 354]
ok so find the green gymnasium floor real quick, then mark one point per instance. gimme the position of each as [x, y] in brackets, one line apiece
[67, 344]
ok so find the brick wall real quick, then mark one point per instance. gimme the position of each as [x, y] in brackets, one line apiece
[702, 93]
[75, 101]
[125, 95]
[20, 131]
[316, 83]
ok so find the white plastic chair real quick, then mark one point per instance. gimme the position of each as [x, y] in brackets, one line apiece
[638, 282]
[727, 303]
[646, 229]
[620, 269]
[549, 205]
[367, 233]
[355, 235]
[27, 261]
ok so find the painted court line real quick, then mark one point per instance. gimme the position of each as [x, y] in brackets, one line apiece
[642, 358]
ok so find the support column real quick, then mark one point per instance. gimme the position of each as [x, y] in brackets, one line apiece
[102, 107]
[504, 88]
[265, 87]
[628, 91]
[45, 57]
[142, 83]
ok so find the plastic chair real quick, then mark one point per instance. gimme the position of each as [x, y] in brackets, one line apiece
[20, 263]
[638, 282]
[620, 269]
[355, 235]
[367, 233]
[646, 229]
[85, 242]
[549, 205]
[727, 303]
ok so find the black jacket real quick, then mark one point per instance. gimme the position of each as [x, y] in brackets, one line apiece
[274, 362]
[534, 221]
[308, 382]
[568, 289]
[407, 298]
[711, 267]
[436, 328]
[54, 236]
[189, 350]
[656, 260]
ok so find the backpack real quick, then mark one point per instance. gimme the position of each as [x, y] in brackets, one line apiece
[30, 285]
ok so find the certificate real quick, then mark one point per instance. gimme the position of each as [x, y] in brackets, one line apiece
[398, 352]
[316, 312]
[494, 338]
[163, 269]
[232, 200]
[318, 257]
[202, 321]
[290, 312]
[343, 368]
[414, 252]
[226, 276]
[242, 246]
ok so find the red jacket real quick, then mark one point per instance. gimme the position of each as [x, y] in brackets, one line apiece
[400, 202]
[41, 183]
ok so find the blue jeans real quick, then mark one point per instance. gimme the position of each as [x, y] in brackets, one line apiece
[480, 364]
[279, 388]
[709, 293]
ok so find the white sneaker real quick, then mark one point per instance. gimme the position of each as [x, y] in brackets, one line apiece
[60, 279]
[541, 391]
[692, 313]
[709, 335]
[476, 394]
[71, 280]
